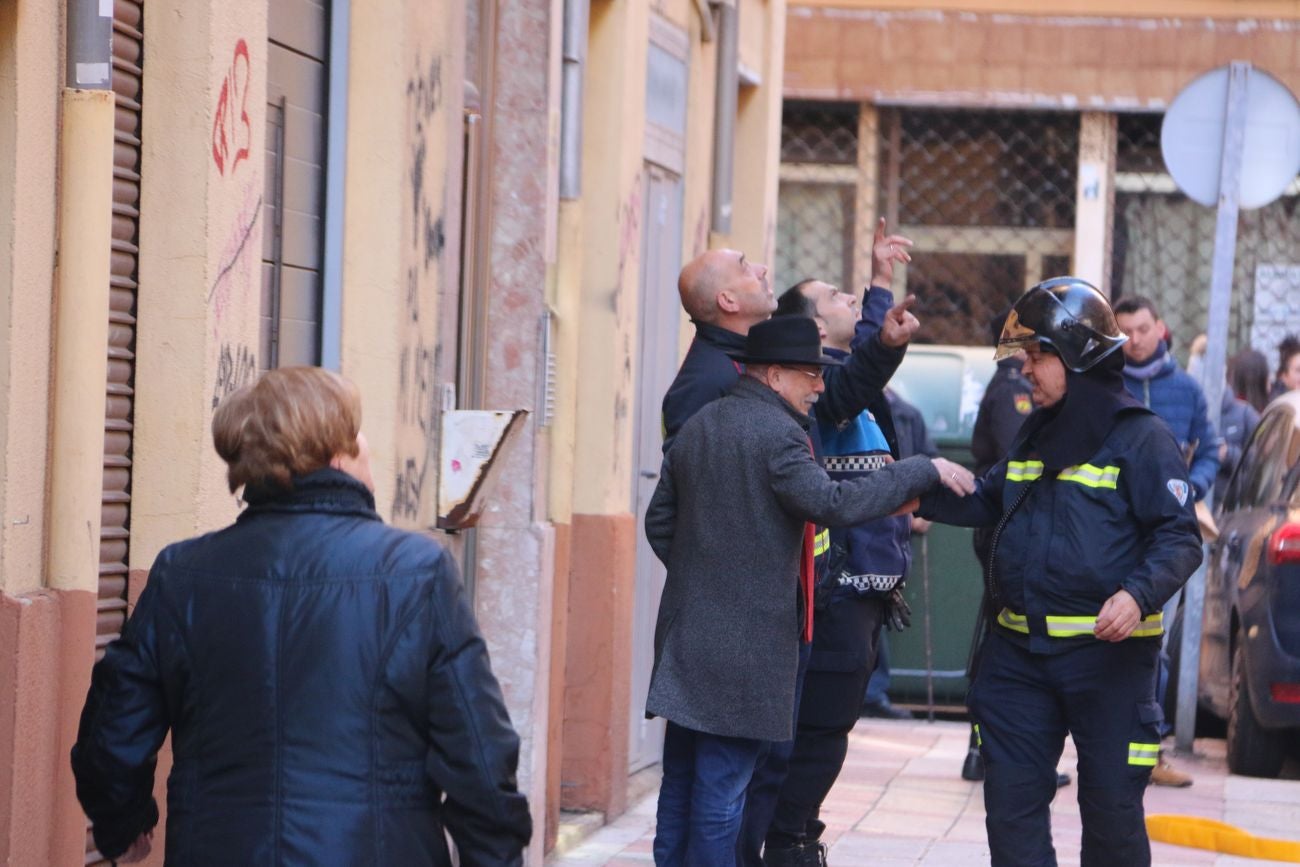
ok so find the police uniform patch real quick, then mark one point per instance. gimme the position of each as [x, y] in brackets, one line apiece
[1023, 404]
[1179, 489]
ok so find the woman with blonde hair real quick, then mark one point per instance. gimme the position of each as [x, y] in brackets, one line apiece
[327, 691]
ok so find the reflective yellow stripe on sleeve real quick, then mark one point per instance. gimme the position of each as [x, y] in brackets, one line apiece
[822, 543]
[979, 741]
[1024, 471]
[1143, 754]
[1091, 475]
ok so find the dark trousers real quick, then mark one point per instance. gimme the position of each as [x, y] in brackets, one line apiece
[769, 776]
[843, 656]
[702, 797]
[1103, 695]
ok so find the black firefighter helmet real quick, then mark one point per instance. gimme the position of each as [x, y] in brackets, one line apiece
[1067, 314]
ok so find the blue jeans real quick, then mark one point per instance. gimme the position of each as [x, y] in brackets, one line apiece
[702, 797]
[769, 776]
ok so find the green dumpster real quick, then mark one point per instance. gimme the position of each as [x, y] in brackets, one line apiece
[945, 383]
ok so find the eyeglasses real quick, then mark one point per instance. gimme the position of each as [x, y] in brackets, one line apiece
[808, 373]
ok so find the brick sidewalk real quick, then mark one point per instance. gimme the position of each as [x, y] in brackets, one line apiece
[901, 801]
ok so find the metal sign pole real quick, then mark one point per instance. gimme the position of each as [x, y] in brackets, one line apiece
[1225, 249]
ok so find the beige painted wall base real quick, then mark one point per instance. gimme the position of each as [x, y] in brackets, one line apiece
[47, 644]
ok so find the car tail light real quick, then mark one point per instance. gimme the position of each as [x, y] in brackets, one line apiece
[1284, 546]
[1286, 693]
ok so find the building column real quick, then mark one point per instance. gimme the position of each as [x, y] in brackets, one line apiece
[866, 195]
[516, 541]
[1094, 220]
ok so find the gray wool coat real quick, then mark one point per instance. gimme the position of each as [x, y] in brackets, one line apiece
[727, 519]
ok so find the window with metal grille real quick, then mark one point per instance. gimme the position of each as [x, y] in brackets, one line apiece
[1164, 243]
[815, 203]
[988, 198]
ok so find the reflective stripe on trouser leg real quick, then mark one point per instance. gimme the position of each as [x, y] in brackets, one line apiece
[1108, 690]
[1022, 734]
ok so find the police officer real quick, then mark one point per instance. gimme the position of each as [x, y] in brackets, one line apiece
[1093, 530]
[1006, 403]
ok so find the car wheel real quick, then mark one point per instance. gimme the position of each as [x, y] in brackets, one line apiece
[1252, 750]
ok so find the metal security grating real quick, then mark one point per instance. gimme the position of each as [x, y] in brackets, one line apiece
[1164, 242]
[819, 132]
[988, 199]
[815, 208]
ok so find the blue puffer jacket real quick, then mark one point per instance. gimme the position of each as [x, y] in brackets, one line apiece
[1172, 394]
[327, 692]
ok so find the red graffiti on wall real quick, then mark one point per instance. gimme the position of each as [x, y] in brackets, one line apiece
[231, 133]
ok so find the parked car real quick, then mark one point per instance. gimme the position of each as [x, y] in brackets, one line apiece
[1250, 639]
[946, 384]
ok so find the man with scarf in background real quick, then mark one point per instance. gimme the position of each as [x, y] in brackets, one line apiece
[1153, 377]
[1093, 530]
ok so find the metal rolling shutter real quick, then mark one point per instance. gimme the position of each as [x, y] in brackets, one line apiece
[127, 49]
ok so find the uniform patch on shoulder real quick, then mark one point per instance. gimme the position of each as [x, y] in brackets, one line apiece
[1179, 489]
[1023, 404]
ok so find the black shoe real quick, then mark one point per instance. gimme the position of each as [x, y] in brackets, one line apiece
[884, 710]
[783, 856]
[814, 854]
[808, 853]
[1062, 779]
[973, 768]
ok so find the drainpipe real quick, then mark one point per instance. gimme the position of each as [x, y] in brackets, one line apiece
[81, 290]
[336, 140]
[79, 372]
[724, 117]
[574, 57]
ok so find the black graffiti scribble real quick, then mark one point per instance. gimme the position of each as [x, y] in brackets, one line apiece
[236, 368]
[406, 492]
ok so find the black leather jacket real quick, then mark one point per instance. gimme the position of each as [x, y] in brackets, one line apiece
[327, 692]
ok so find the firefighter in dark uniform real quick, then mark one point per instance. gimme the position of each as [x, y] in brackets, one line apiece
[1093, 532]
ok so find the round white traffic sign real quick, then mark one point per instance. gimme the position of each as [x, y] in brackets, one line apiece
[1191, 138]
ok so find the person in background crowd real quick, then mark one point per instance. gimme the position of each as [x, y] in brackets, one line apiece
[1093, 533]
[732, 518]
[326, 688]
[1153, 377]
[1237, 420]
[1288, 366]
[1248, 376]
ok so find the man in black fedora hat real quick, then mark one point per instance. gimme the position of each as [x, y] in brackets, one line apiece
[732, 519]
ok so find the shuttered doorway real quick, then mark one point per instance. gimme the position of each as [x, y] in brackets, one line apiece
[128, 43]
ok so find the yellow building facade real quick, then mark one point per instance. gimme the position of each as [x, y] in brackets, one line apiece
[457, 205]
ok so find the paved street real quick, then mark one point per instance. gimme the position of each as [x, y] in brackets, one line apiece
[901, 801]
